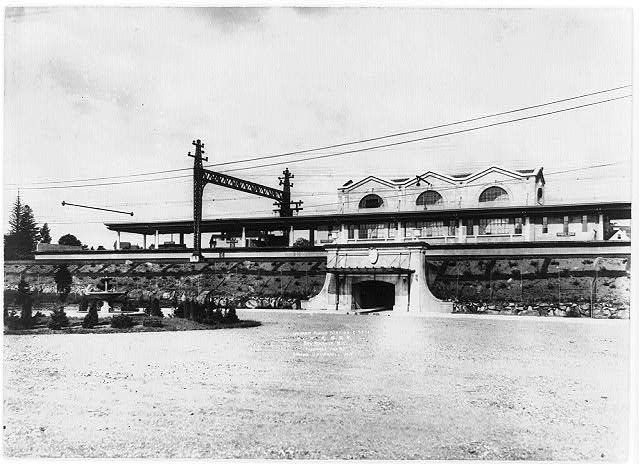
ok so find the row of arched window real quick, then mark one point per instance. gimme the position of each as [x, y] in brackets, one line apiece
[431, 197]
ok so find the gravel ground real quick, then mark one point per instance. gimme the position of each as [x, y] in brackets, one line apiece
[326, 386]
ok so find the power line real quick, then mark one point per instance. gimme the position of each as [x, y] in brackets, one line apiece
[461, 131]
[348, 152]
[404, 133]
[388, 197]
[315, 149]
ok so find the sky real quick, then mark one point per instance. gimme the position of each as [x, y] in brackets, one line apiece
[104, 92]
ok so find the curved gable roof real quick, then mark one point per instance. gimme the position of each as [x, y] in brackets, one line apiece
[442, 177]
[366, 180]
[453, 179]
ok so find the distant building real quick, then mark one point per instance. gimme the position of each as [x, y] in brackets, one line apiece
[42, 247]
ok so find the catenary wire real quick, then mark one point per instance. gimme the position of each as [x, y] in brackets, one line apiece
[398, 195]
[344, 143]
[348, 152]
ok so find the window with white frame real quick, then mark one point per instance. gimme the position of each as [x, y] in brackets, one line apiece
[494, 194]
[494, 226]
[518, 226]
[372, 231]
[429, 197]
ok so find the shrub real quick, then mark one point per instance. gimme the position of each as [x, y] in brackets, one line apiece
[25, 300]
[178, 311]
[155, 309]
[301, 243]
[63, 280]
[83, 305]
[152, 323]
[230, 316]
[122, 322]
[58, 319]
[127, 306]
[91, 318]
[573, 312]
[13, 322]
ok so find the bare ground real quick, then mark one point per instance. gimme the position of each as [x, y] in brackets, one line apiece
[326, 386]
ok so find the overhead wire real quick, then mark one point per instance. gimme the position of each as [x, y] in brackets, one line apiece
[348, 152]
[398, 194]
[397, 134]
[460, 131]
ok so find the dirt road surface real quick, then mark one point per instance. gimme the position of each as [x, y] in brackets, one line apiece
[326, 386]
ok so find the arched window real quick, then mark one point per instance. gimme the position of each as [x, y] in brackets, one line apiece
[494, 194]
[429, 198]
[370, 201]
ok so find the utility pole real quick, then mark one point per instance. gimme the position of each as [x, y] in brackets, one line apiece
[285, 182]
[202, 177]
[198, 187]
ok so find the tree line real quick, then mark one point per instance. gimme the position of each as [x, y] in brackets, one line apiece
[24, 234]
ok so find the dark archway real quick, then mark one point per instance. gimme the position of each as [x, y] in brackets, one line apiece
[373, 294]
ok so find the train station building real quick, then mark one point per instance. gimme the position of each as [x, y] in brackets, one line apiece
[377, 240]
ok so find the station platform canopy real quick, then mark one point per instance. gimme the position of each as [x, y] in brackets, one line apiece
[618, 210]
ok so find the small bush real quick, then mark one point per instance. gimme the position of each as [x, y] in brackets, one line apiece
[14, 322]
[128, 306]
[152, 323]
[573, 313]
[231, 316]
[122, 322]
[91, 318]
[58, 319]
[83, 305]
[155, 309]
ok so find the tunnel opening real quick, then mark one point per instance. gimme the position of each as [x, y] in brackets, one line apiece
[374, 294]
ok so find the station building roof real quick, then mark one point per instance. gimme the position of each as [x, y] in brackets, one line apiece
[460, 178]
[617, 210]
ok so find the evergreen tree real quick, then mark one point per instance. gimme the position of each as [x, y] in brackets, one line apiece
[45, 234]
[24, 233]
[25, 300]
[91, 318]
[63, 280]
[155, 309]
[29, 229]
[16, 214]
[58, 319]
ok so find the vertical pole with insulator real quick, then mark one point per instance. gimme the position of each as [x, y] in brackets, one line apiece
[285, 205]
[198, 187]
[285, 182]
